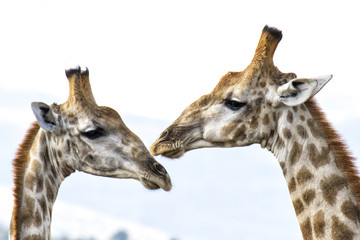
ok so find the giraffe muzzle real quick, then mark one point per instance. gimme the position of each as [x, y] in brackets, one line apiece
[156, 178]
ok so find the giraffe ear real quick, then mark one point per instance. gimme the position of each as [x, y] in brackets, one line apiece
[299, 90]
[45, 116]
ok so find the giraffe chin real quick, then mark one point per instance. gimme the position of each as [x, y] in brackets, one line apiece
[153, 186]
[176, 153]
[167, 149]
[149, 185]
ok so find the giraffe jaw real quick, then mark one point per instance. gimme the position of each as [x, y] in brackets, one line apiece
[177, 148]
[155, 176]
[176, 153]
[152, 185]
[167, 150]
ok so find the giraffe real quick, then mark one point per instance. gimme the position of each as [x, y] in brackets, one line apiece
[76, 135]
[262, 105]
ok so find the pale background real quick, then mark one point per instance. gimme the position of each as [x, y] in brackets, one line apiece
[149, 60]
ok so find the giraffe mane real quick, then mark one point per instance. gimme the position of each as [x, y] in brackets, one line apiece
[19, 165]
[343, 156]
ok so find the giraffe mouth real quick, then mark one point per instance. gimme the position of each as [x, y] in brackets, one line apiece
[155, 176]
[167, 149]
[175, 153]
[178, 148]
[149, 185]
[153, 185]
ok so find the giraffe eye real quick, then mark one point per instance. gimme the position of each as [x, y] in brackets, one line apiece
[234, 105]
[93, 134]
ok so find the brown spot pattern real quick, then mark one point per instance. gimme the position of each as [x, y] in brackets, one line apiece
[45, 154]
[29, 202]
[68, 146]
[283, 167]
[240, 133]
[317, 158]
[309, 196]
[287, 133]
[36, 167]
[254, 123]
[274, 116]
[28, 211]
[229, 128]
[53, 170]
[39, 184]
[303, 175]
[280, 143]
[136, 152]
[331, 186]
[299, 206]
[302, 106]
[30, 181]
[37, 219]
[266, 119]
[314, 129]
[258, 111]
[340, 231]
[295, 153]
[301, 131]
[292, 185]
[49, 192]
[350, 210]
[306, 229]
[43, 205]
[59, 154]
[319, 224]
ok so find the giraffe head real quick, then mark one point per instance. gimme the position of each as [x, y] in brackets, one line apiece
[243, 108]
[90, 138]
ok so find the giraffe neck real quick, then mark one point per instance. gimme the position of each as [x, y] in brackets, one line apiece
[321, 190]
[38, 175]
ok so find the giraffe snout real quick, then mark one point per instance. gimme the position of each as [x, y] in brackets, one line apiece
[155, 176]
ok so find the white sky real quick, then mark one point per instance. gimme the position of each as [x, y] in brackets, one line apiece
[153, 58]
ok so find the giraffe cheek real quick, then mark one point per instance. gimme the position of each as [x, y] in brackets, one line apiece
[240, 134]
[211, 134]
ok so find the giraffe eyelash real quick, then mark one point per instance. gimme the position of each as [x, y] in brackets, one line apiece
[234, 104]
[93, 133]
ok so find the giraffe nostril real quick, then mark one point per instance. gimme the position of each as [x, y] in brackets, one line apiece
[159, 168]
[165, 133]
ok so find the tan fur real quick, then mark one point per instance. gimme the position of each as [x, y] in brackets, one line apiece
[19, 166]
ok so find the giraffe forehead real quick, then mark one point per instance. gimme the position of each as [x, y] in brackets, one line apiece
[231, 80]
[241, 85]
[83, 116]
